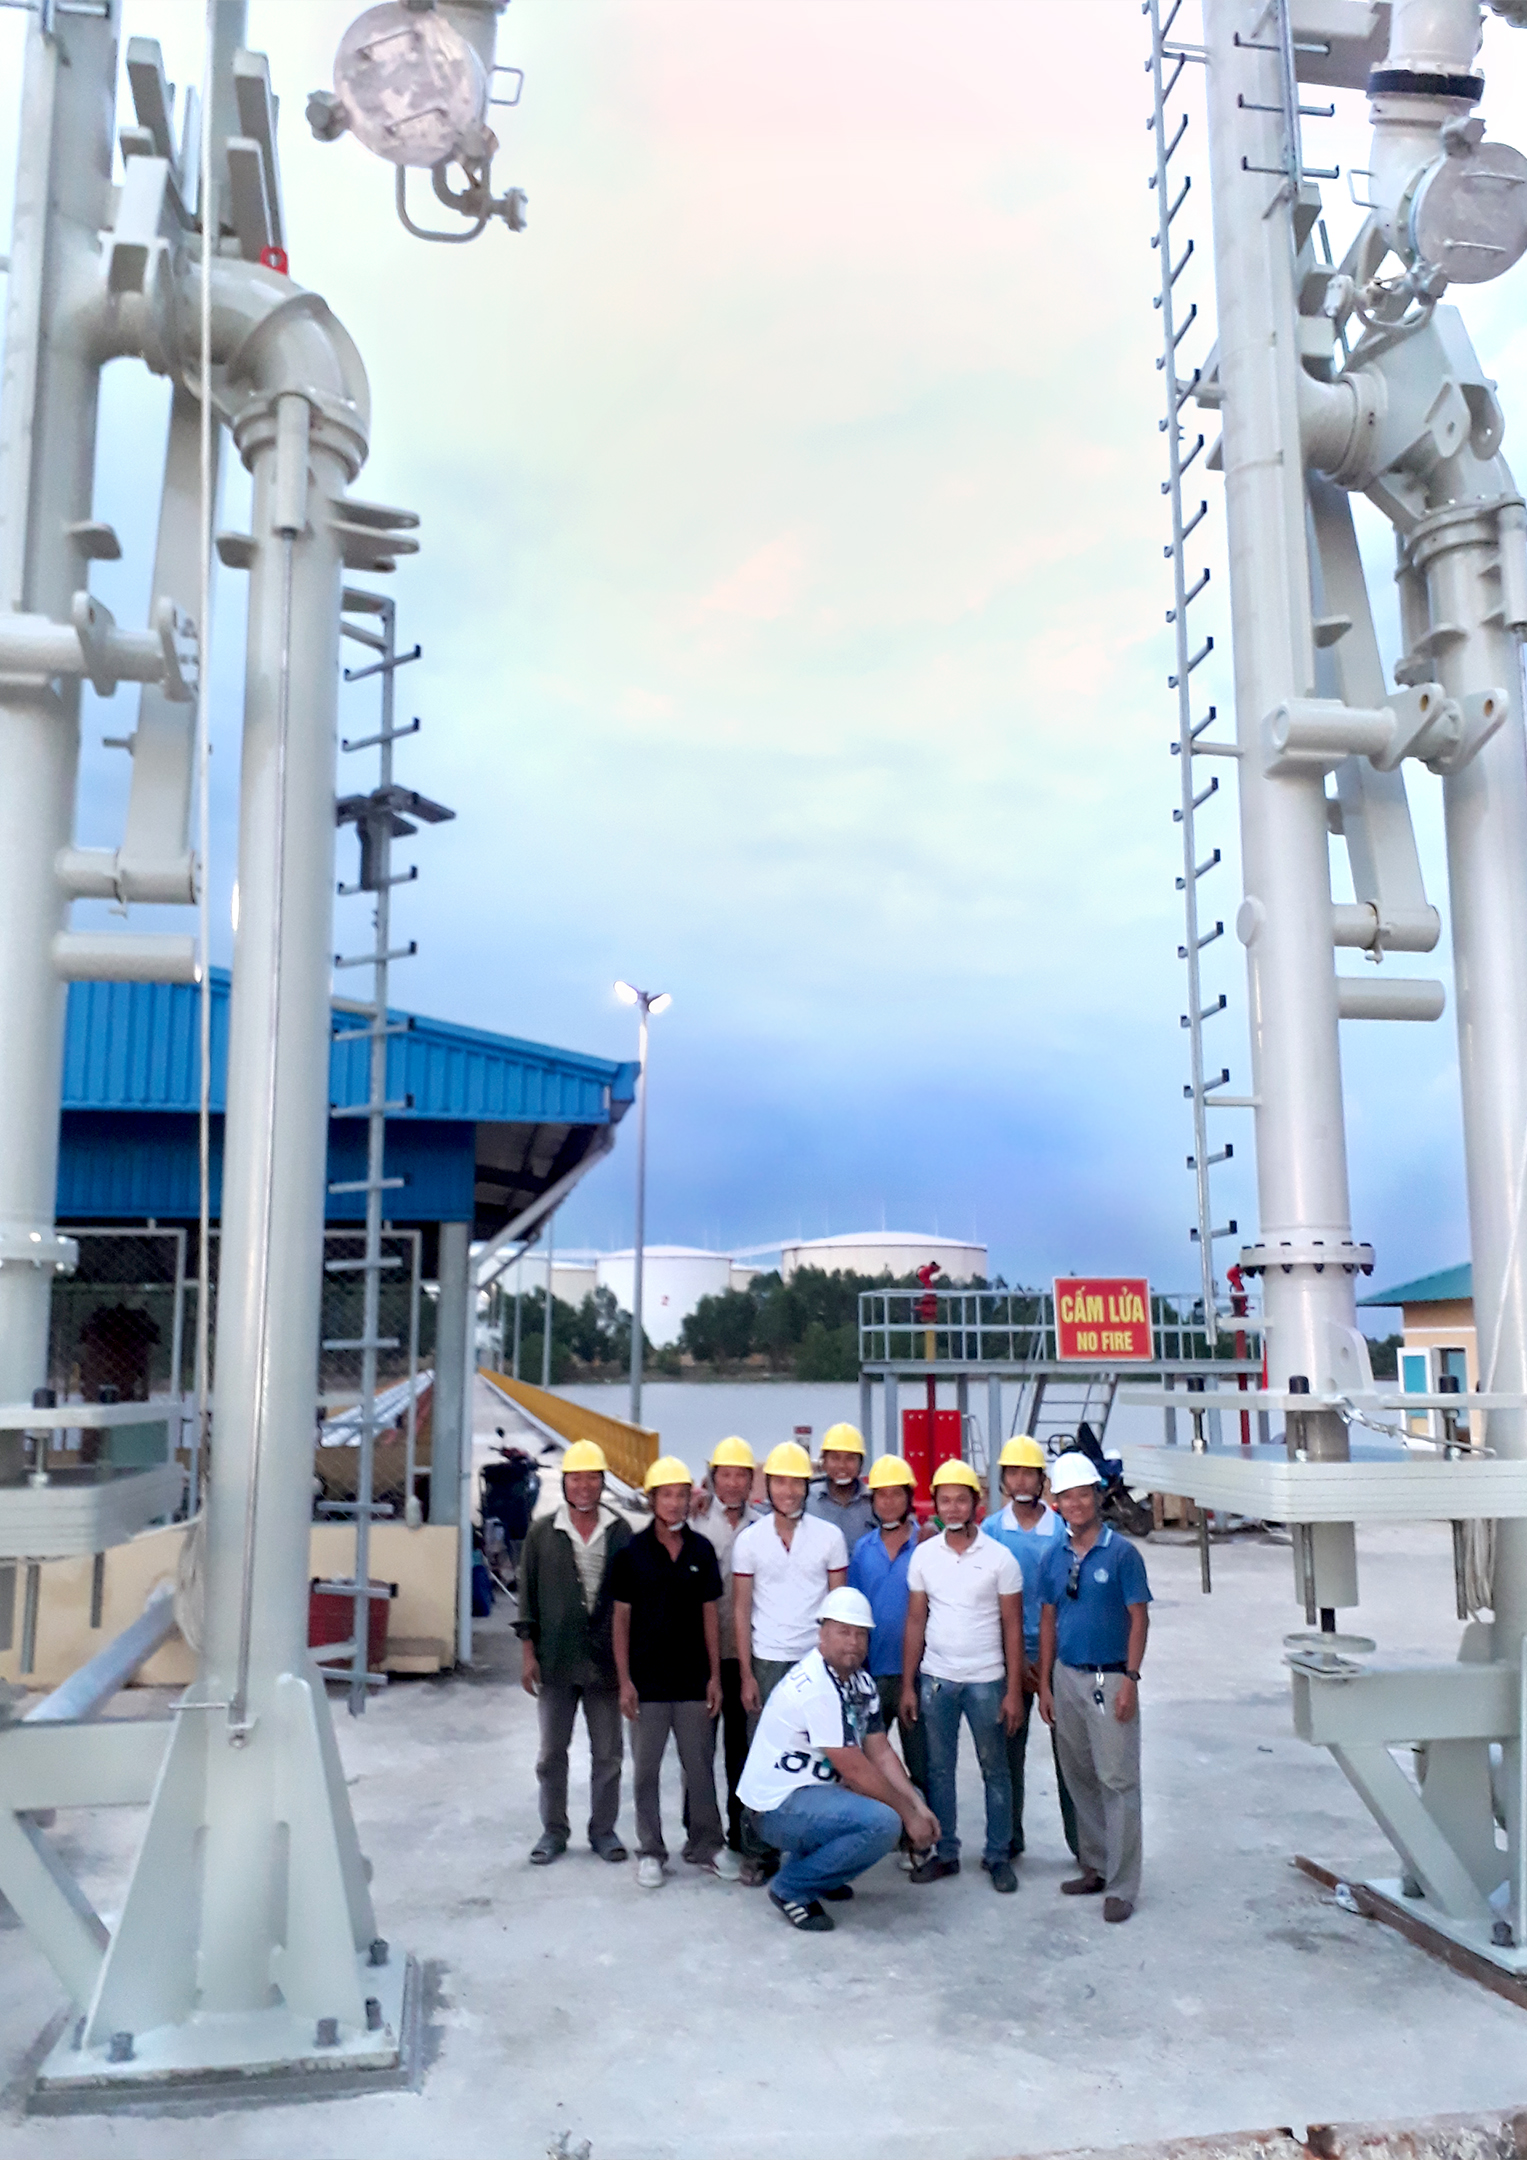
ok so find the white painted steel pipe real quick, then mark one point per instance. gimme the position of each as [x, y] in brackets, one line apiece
[1435, 42]
[1286, 922]
[47, 455]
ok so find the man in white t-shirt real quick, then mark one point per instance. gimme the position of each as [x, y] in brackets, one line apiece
[963, 1657]
[822, 1782]
[782, 1568]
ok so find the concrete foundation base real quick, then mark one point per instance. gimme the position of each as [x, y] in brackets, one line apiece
[241, 2061]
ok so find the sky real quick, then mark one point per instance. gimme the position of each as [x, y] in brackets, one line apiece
[792, 598]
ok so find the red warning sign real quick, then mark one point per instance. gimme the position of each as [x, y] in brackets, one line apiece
[1104, 1319]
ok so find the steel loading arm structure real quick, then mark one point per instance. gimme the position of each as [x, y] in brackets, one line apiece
[1331, 379]
[247, 1937]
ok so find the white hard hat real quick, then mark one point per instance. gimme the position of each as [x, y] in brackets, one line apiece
[1071, 1471]
[852, 1607]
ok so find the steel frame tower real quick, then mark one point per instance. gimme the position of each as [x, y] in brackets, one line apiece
[1333, 379]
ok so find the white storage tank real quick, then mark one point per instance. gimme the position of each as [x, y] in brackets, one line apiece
[674, 1279]
[891, 1252]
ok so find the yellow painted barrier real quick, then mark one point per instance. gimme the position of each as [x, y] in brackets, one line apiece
[629, 1449]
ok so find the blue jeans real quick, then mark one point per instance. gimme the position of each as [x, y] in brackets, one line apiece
[830, 1834]
[941, 1704]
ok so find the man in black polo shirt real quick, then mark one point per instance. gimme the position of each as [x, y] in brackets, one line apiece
[667, 1589]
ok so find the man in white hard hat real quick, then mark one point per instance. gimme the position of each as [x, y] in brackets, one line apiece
[822, 1783]
[1094, 1619]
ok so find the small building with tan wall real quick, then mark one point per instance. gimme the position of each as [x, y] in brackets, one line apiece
[1439, 1337]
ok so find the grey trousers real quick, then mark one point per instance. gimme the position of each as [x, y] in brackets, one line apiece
[1100, 1760]
[694, 1731]
[557, 1705]
[768, 1672]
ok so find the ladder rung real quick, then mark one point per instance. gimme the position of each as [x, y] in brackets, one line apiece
[376, 959]
[404, 877]
[1224, 1155]
[1229, 1229]
[369, 742]
[1207, 939]
[383, 667]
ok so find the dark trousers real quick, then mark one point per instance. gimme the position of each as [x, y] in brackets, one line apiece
[914, 1741]
[558, 1708]
[694, 1734]
[734, 1745]
[1017, 1750]
[768, 1672]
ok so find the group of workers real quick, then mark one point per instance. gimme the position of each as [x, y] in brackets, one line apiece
[803, 1628]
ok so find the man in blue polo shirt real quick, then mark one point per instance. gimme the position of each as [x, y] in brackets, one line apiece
[1093, 1623]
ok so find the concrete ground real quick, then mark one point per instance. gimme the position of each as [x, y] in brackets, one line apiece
[937, 2024]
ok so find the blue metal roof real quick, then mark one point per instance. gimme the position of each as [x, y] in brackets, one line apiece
[1445, 1287]
[493, 1123]
[135, 1046]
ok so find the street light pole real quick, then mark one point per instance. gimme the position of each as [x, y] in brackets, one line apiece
[646, 1004]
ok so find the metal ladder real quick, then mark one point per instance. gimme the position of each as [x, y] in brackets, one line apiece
[1166, 66]
[379, 818]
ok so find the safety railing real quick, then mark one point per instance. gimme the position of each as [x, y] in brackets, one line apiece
[1017, 1327]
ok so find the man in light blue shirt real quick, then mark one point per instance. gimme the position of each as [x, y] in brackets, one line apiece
[877, 1566]
[1028, 1528]
[1094, 1620]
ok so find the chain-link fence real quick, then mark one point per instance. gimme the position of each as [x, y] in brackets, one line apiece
[117, 1330]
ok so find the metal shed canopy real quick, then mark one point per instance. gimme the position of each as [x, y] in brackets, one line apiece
[495, 1131]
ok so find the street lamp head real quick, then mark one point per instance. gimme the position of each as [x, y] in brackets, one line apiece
[660, 1003]
[626, 994]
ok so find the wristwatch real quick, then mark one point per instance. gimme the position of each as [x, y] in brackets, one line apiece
[1135, 1675]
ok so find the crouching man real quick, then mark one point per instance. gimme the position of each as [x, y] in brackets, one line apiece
[822, 1782]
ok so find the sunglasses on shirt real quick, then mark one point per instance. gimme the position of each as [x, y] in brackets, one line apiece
[1073, 1579]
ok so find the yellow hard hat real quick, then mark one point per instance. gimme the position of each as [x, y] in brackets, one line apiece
[890, 1470]
[733, 1454]
[847, 1439]
[584, 1455]
[787, 1460]
[1021, 1453]
[954, 1472]
[667, 1470]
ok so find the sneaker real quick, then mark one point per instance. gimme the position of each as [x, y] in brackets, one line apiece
[934, 1870]
[547, 1847]
[839, 1894]
[608, 1847]
[727, 1865]
[1087, 1884]
[906, 1861]
[649, 1872]
[1117, 1908]
[808, 1919]
[1002, 1876]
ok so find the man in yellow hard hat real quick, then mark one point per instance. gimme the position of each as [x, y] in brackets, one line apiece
[878, 1567]
[782, 1568]
[726, 1509]
[964, 1658]
[1027, 1527]
[666, 1584]
[567, 1655]
[840, 1495]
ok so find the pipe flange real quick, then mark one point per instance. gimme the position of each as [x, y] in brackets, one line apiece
[334, 425]
[1412, 82]
[1282, 1255]
[1467, 524]
[23, 1246]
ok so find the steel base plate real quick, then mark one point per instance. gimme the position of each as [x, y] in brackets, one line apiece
[1462, 1944]
[211, 2063]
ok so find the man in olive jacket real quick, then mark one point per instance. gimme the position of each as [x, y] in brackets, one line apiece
[567, 1655]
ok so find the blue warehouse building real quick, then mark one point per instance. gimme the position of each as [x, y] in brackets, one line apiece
[493, 1135]
[496, 1131]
